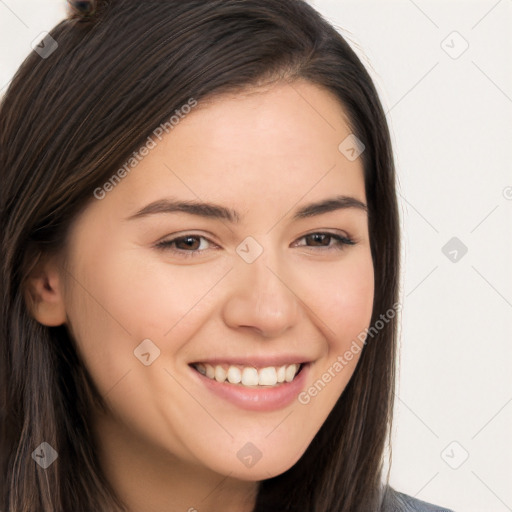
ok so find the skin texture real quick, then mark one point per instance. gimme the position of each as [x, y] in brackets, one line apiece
[168, 443]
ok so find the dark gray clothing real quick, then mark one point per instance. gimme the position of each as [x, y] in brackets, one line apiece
[395, 501]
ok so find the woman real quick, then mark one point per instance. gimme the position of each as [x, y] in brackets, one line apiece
[200, 264]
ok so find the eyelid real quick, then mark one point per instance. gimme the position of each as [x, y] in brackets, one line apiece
[343, 238]
[326, 231]
[165, 243]
[184, 234]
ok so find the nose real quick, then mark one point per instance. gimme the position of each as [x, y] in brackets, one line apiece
[262, 298]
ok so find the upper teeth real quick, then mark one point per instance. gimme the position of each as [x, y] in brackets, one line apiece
[248, 375]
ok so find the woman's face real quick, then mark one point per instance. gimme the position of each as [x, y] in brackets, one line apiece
[245, 295]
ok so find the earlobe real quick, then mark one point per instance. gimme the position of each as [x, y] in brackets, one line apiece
[43, 296]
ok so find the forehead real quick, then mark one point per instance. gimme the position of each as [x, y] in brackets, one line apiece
[268, 146]
[281, 119]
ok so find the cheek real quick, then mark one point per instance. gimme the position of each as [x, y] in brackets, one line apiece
[341, 295]
[163, 301]
[126, 298]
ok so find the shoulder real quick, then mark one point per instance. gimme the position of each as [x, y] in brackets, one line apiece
[395, 501]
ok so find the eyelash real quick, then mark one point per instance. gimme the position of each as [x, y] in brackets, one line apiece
[165, 245]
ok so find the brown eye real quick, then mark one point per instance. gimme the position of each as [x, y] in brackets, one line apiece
[188, 242]
[187, 245]
[324, 240]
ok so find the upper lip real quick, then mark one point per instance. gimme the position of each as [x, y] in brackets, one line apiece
[255, 361]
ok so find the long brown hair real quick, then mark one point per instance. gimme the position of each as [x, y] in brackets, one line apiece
[67, 123]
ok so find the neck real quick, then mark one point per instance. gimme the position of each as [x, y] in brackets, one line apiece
[149, 480]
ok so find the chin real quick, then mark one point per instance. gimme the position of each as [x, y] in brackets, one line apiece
[251, 464]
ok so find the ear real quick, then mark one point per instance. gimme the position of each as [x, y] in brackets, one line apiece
[43, 293]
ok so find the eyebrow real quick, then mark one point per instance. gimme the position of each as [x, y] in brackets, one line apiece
[215, 211]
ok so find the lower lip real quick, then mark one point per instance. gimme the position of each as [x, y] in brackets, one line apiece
[258, 399]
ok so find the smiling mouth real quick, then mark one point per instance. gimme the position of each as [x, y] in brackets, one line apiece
[249, 376]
